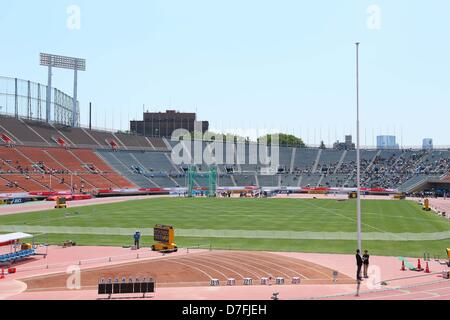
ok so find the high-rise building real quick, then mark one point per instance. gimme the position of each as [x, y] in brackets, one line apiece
[347, 145]
[164, 124]
[387, 142]
[427, 144]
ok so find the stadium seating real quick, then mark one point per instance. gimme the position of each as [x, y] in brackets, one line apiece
[35, 133]
[56, 169]
[21, 183]
[333, 168]
[77, 136]
[16, 256]
[20, 131]
[39, 163]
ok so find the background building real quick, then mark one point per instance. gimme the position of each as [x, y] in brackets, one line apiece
[347, 145]
[387, 142]
[427, 144]
[164, 124]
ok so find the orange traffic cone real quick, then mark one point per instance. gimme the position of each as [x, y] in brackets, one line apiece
[427, 269]
[403, 266]
[419, 265]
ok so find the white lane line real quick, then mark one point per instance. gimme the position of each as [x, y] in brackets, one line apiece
[189, 266]
[224, 260]
[253, 258]
[187, 260]
[217, 265]
[263, 271]
[298, 262]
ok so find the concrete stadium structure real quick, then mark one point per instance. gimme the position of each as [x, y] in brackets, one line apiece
[100, 159]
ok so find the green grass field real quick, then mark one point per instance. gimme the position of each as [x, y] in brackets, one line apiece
[390, 219]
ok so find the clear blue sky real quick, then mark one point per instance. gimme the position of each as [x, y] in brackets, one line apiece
[253, 64]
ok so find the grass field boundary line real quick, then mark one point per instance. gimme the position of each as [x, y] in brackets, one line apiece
[235, 234]
[144, 256]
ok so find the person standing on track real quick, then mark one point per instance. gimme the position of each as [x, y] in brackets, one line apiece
[359, 264]
[366, 258]
[137, 239]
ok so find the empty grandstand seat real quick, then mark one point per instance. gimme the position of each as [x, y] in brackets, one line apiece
[102, 137]
[158, 143]
[77, 136]
[43, 130]
[89, 157]
[20, 130]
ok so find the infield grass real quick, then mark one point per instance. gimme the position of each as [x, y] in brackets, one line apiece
[379, 216]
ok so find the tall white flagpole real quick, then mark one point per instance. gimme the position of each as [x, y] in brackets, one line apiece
[358, 153]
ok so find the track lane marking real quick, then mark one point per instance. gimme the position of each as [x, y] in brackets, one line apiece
[296, 273]
[207, 261]
[258, 275]
[180, 263]
[298, 262]
[205, 266]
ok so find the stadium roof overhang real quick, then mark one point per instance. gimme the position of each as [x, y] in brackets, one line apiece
[6, 238]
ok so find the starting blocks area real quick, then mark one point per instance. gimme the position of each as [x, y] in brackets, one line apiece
[232, 275]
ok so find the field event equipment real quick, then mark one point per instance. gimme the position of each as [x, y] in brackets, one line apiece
[126, 286]
[211, 190]
[165, 238]
[408, 264]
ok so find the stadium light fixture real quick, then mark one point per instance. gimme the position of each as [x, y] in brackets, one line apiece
[358, 154]
[62, 62]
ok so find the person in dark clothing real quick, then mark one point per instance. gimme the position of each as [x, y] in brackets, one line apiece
[366, 258]
[137, 239]
[359, 263]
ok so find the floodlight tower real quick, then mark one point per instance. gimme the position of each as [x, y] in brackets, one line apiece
[54, 61]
